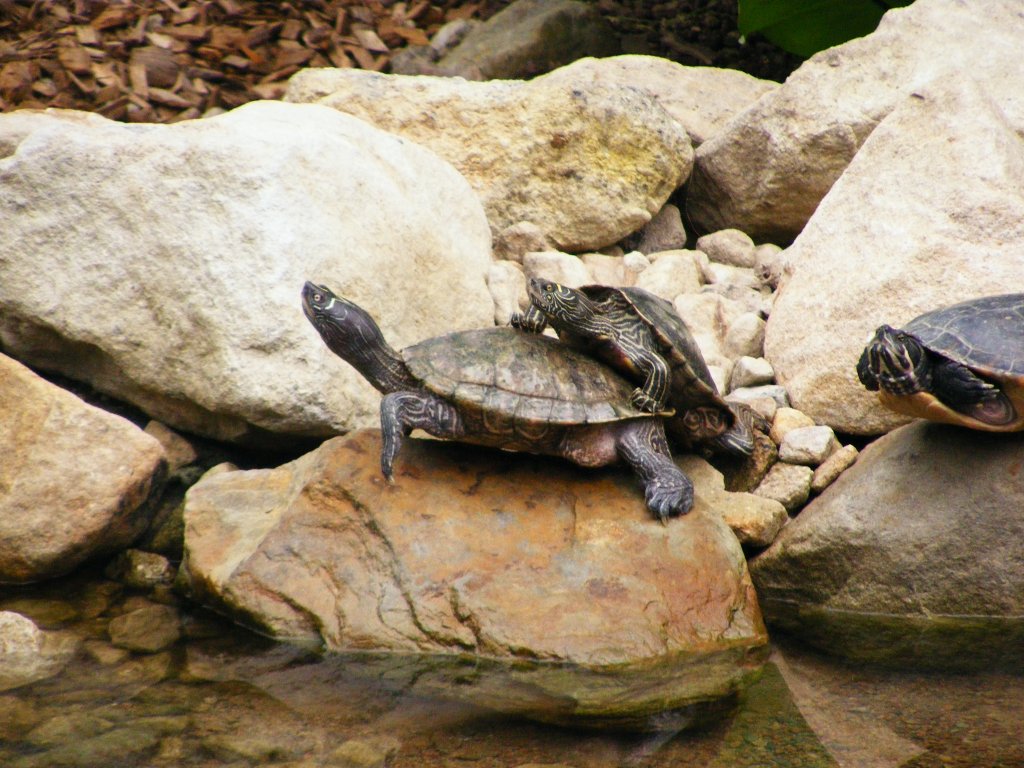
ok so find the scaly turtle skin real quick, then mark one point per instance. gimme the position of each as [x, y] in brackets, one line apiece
[501, 388]
[962, 364]
[641, 336]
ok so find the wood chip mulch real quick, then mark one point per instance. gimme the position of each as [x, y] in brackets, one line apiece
[169, 60]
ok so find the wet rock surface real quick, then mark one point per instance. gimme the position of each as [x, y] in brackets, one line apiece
[508, 564]
[912, 557]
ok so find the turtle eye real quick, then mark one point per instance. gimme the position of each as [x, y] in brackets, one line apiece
[318, 297]
[549, 287]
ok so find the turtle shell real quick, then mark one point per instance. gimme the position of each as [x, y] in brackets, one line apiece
[515, 385]
[691, 384]
[985, 335]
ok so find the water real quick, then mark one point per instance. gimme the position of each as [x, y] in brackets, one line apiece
[225, 697]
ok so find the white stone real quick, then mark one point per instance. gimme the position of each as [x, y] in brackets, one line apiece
[607, 270]
[728, 246]
[751, 372]
[634, 263]
[745, 336]
[174, 256]
[769, 264]
[507, 284]
[787, 419]
[766, 171]
[774, 391]
[929, 213]
[788, 484]
[27, 654]
[765, 405]
[672, 273]
[562, 268]
[588, 164]
[702, 99]
[519, 238]
[809, 446]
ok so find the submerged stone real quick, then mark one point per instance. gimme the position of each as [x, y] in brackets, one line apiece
[522, 584]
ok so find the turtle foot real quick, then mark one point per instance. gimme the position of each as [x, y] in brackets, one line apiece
[644, 402]
[669, 496]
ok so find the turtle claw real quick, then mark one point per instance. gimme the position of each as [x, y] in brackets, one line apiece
[669, 497]
[644, 402]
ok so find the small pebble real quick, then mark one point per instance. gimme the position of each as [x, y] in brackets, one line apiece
[788, 484]
[724, 274]
[634, 263]
[787, 419]
[751, 372]
[728, 246]
[507, 285]
[664, 232]
[559, 267]
[516, 240]
[607, 270]
[765, 405]
[671, 274]
[769, 264]
[833, 467]
[745, 337]
[775, 391]
[809, 446]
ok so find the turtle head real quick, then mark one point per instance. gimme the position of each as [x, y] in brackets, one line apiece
[894, 361]
[353, 335]
[564, 307]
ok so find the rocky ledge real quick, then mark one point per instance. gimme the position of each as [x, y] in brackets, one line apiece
[538, 594]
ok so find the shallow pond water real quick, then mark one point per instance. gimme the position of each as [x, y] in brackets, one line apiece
[223, 696]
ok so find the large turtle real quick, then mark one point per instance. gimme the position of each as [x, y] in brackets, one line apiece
[501, 388]
[641, 336]
[962, 364]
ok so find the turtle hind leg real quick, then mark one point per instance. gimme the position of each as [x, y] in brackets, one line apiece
[964, 391]
[402, 412]
[643, 446]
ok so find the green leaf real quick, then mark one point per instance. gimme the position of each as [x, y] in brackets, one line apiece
[805, 27]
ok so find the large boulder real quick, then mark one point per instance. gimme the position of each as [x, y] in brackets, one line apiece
[586, 163]
[74, 481]
[543, 589]
[914, 556]
[702, 99]
[929, 213]
[163, 263]
[768, 170]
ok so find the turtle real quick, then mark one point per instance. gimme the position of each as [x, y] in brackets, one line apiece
[962, 364]
[502, 388]
[641, 335]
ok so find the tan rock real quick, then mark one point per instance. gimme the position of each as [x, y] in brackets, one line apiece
[829, 470]
[73, 481]
[557, 576]
[879, 259]
[766, 172]
[788, 484]
[587, 164]
[787, 419]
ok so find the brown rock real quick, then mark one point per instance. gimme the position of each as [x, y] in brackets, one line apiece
[575, 605]
[73, 481]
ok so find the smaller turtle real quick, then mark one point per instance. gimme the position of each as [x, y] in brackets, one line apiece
[641, 336]
[501, 388]
[962, 364]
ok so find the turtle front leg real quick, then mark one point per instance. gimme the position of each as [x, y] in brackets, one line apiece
[643, 446]
[531, 321]
[964, 391]
[402, 412]
[652, 395]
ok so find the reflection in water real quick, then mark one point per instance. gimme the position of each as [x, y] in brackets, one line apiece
[223, 696]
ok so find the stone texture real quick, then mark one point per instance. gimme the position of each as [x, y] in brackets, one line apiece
[745, 336]
[28, 654]
[915, 555]
[751, 372]
[147, 630]
[755, 520]
[520, 238]
[174, 256]
[562, 268]
[788, 484]
[830, 470]
[588, 164]
[529, 37]
[809, 446]
[701, 99]
[140, 570]
[787, 419]
[671, 273]
[770, 167]
[665, 232]
[507, 284]
[879, 259]
[728, 246]
[527, 567]
[74, 481]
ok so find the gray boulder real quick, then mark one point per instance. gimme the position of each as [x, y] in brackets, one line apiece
[914, 556]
